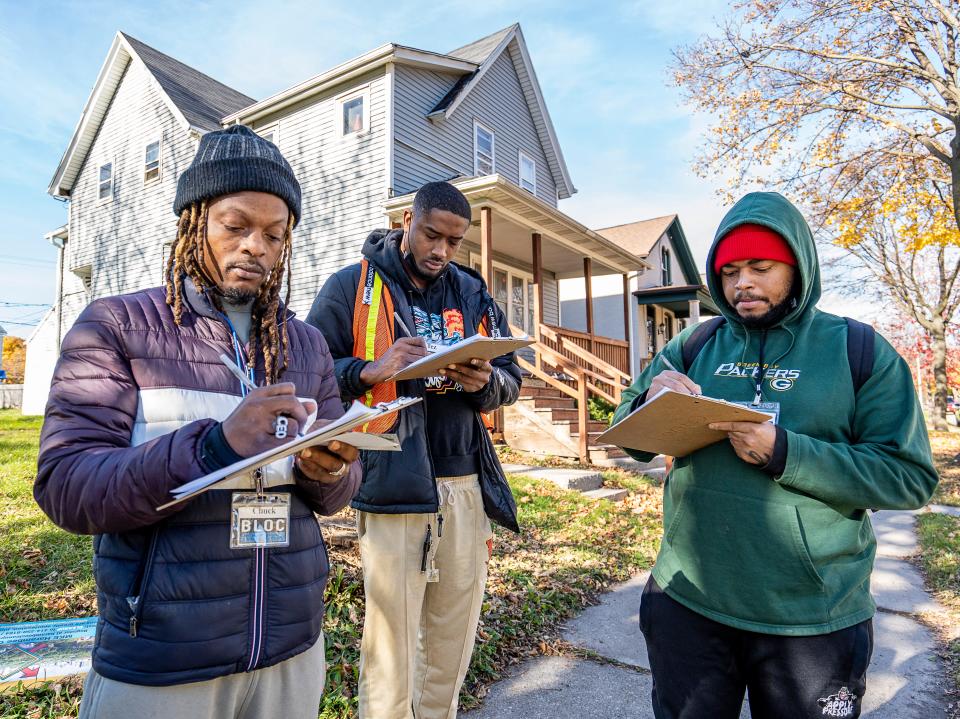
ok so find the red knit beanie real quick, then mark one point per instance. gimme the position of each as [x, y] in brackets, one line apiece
[752, 242]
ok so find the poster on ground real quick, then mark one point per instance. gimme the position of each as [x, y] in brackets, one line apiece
[41, 651]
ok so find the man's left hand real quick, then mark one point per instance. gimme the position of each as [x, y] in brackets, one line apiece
[752, 441]
[472, 376]
[329, 464]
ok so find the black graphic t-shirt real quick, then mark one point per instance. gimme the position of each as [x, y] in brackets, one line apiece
[451, 419]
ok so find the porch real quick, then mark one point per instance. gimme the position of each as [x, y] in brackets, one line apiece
[522, 247]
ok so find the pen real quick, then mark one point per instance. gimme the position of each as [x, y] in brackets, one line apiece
[403, 326]
[238, 373]
[668, 364]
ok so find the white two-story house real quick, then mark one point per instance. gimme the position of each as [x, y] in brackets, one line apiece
[361, 137]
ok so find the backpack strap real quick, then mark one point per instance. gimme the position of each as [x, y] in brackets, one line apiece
[860, 340]
[698, 338]
[860, 343]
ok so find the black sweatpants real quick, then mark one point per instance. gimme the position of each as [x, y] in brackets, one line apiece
[701, 668]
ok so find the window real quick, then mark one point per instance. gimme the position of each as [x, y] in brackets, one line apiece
[151, 161]
[354, 115]
[270, 134]
[512, 290]
[528, 173]
[105, 182]
[651, 334]
[665, 274]
[483, 150]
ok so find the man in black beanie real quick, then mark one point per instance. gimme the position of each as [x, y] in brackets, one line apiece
[201, 615]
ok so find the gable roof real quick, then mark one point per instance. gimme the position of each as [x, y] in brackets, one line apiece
[196, 100]
[640, 238]
[485, 52]
[201, 99]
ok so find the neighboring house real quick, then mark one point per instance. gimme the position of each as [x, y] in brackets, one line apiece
[361, 137]
[664, 297]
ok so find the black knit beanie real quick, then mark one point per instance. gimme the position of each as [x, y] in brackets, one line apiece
[237, 160]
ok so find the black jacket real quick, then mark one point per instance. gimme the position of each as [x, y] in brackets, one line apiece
[404, 482]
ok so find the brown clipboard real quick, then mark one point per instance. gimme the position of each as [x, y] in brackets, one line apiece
[474, 347]
[676, 424]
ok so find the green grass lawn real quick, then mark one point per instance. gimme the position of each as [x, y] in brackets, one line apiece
[571, 549]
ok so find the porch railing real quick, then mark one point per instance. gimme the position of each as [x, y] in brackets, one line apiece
[563, 364]
[612, 351]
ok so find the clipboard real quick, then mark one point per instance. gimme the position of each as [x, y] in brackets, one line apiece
[358, 414]
[475, 346]
[676, 424]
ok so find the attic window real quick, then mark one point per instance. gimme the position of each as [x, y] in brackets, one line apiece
[355, 113]
[151, 161]
[483, 150]
[528, 173]
[666, 276]
[105, 182]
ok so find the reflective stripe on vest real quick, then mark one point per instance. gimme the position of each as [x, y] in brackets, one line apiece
[373, 333]
[372, 336]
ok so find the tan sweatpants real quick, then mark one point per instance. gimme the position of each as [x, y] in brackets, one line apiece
[291, 689]
[418, 634]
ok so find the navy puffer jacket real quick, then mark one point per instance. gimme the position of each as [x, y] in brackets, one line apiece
[132, 399]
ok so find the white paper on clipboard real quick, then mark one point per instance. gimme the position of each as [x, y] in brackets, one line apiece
[357, 415]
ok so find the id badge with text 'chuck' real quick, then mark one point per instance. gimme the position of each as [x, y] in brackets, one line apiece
[258, 521]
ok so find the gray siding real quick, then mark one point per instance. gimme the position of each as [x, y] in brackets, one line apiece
[426, 150]
[122, 240]
[343, 182]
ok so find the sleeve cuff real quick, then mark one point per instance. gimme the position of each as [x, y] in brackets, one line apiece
[778, 462]
[638, 400]
[354, 386]
[215, 452]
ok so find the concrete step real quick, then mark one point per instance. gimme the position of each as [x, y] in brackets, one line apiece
[592, 427]
[611, 494]
[580, 480]
[606, 455]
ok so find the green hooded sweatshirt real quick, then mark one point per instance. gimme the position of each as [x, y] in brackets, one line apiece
[790, 555]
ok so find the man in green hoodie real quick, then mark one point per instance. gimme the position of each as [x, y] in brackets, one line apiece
[762, 582]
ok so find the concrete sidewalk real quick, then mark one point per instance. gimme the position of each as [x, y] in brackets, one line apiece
[905, 680]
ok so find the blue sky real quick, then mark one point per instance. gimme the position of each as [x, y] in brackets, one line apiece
[603, 67]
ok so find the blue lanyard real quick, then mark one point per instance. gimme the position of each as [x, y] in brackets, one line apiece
[240, 357]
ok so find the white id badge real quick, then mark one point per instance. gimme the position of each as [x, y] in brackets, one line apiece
[771, 408]
[258, 521]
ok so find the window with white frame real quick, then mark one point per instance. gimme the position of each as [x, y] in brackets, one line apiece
[666, 276]
[105, 181]
[353, 114]
[271, 133]
[528, 173]
[151, 161]
[512, 290]
[483, 150]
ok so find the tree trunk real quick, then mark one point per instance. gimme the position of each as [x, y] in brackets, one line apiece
[938, 344]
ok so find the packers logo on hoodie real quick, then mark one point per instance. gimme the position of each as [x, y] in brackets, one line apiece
[779, 379]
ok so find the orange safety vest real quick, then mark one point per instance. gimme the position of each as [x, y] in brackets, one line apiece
[373, 333]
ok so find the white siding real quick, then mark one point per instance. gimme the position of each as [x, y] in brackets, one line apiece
[343, 181]
[427, 151]
[122, 240]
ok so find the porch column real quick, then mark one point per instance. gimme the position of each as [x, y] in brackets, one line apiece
[694, 311]
[588, 285]
[626, 308]
[537, 253]
[486, 246]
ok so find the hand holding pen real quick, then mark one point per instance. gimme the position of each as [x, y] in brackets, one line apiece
[255, 425]
[671, 378]
[401, 353]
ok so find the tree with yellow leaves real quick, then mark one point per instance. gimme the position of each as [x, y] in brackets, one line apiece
[14, 358]
[853, 107]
